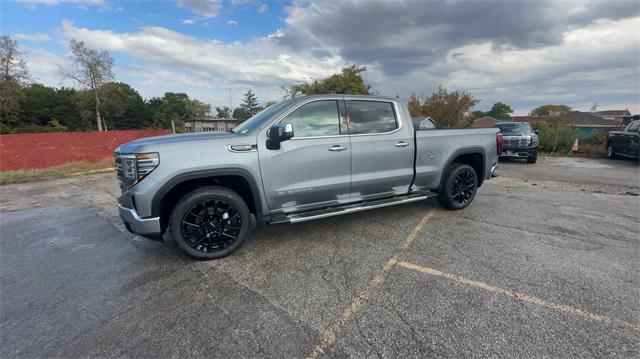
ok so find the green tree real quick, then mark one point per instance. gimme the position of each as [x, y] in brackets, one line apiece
[250, 103]
[478, 114]
[555, 136]
[196, 109]
[449, 109]
[123, 106]
[11, 95]
[500, 110]
[223, 112]
[551, 110]
[91, 69]
[241, 114]
[349, 81]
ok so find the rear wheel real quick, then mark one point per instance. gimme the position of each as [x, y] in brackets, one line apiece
[459, 187]
[210, 222]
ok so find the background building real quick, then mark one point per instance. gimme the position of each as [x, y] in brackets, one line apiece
[208, 124]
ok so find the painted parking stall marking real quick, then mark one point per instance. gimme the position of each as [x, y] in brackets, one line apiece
[330, 334]
[522, 297]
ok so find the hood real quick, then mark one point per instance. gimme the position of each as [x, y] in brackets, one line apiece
[150, 142]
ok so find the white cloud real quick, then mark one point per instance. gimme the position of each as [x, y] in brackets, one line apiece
[39, 37]
[169, 57]
[44, 65]
[188, 21]
[232, 23]
[263, 8]
[206, 8]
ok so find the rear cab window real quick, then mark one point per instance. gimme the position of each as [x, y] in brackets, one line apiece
[370, 117]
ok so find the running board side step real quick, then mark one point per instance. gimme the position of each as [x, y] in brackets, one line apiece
[351, 208]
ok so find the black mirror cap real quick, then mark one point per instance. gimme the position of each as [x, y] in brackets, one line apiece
[280, 132]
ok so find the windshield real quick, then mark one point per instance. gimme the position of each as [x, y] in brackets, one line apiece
[260, 117]
[514, 127]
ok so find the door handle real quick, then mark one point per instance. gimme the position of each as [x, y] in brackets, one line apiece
[402, 144]
[337, 148]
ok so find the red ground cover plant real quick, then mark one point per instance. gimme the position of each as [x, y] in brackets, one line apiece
[41, 150]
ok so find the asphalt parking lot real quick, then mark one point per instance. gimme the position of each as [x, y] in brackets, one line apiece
[545, 262]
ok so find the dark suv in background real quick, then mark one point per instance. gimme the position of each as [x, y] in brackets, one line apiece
[520, 141]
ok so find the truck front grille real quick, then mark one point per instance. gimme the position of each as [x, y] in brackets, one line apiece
[516, 142]
[118, 161]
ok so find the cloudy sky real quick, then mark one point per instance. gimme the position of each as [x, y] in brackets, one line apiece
[524, 53]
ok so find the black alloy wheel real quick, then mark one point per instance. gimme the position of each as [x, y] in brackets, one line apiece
[459, 187]
[211, 225]
[463, 188]
[210, 222]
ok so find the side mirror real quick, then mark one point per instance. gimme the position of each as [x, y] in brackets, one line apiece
[279, 133]
[537, 132]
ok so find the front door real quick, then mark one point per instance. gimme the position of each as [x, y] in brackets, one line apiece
[313, 169]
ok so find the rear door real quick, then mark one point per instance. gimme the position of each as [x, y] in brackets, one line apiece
[313, 169]
[382, 149]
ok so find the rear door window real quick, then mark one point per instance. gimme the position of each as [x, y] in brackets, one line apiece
[367, 117]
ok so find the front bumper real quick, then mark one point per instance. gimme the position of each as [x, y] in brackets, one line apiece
[146, 227]
[518, 153]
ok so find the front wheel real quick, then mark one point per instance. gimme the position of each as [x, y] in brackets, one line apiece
[459, 187]
[533, 157]
[210, 222]
[610, 152]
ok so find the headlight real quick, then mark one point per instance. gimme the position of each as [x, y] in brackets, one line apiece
[132, 168]
[145, 163]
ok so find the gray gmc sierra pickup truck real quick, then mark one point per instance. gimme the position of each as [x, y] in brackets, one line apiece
[301, 159]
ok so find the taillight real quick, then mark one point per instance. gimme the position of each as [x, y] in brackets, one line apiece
[499, 143]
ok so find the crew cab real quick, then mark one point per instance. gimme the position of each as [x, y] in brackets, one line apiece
[301, 159]
[625, 143]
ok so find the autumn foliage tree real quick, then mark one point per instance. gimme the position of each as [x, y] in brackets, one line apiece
[348, 81]
[450, 109]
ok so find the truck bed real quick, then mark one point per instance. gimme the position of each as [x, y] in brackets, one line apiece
[436, 148]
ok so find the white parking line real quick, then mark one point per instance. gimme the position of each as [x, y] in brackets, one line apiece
[329, 335]
[522, 297]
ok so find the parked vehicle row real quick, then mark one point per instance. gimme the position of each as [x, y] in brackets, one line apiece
[301, 159]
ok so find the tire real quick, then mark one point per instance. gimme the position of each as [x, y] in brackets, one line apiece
[533, 157]
[611, 153]
[210, 222]
[451, 195]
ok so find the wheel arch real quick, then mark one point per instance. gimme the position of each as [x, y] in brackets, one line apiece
[236, 179]
[473, 156]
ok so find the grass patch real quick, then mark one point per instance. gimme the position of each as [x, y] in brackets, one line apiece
[62, 171]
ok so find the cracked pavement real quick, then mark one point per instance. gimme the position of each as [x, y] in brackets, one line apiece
[74, 283]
